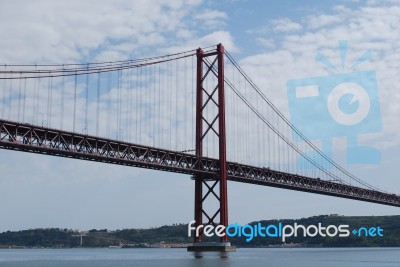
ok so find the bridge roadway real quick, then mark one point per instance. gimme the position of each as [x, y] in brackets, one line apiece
[42, 140]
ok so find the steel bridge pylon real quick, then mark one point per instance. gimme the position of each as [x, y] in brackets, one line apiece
[210, 99]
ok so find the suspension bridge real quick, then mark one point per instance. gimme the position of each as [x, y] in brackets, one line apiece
[195, 112]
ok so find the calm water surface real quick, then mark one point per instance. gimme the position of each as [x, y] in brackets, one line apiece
[299, 257]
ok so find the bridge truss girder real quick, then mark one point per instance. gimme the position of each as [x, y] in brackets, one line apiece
[47, 141]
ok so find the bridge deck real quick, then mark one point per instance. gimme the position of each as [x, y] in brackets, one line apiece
[36, 139]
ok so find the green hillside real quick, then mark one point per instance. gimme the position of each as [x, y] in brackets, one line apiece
[178, 234]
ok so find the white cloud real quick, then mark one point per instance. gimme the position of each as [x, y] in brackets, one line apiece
[60, 31]
[382, 2]
[211, 19]
[213, 38]
[323, 21]
[185, 34]
[285, 25]
[267, 43]
[366, 28]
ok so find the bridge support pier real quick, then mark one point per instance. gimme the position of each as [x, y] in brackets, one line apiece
[210, 99]
[212, 246]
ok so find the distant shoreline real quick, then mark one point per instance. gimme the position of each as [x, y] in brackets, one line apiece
[176, 236]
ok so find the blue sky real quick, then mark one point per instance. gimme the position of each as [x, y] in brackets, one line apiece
[274, 41]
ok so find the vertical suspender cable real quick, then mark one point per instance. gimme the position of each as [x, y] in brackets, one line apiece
[10, 98]
[35, 98]
[87, 99]
[51, 101]
[24, 101]
[75, 88]
[154, 107]
[48, 101]
[129, 116]
[3, 100]
[140, 102]
[176, 104]
[160, 106]
[137, 106]
[118, 104]
[170, 103]
[121, 92]
[108, 104]
[186, 108]
[192, 107]
[19, 95]
[62, 99]
[98, 103]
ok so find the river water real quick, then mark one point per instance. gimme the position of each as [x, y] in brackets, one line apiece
[270, 257]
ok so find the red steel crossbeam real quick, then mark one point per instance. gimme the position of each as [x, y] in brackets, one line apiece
[206, 97]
